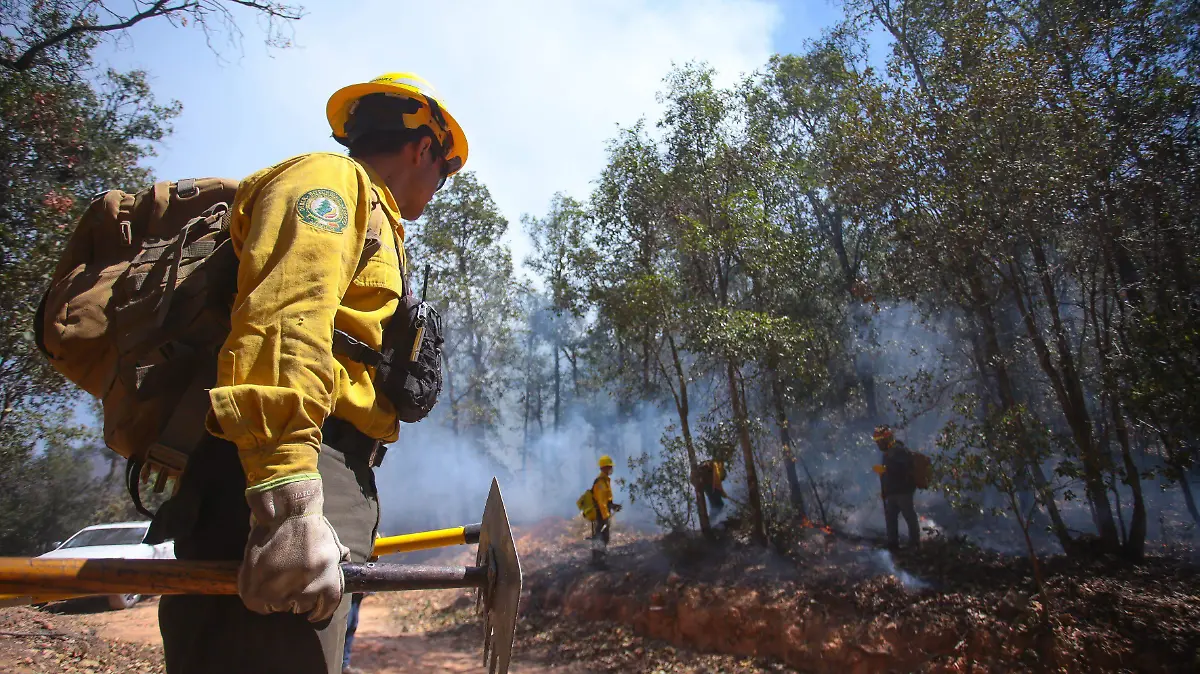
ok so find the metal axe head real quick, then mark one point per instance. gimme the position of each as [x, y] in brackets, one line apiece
[498, 599]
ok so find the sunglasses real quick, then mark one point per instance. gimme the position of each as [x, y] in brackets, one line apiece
[445, 171]
[448, 165]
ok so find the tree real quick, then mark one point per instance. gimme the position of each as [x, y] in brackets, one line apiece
[635, 287]
[67, 133]
[473, 283]
[558, 244]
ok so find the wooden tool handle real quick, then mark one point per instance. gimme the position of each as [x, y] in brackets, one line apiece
[22, 575]
[81, 577]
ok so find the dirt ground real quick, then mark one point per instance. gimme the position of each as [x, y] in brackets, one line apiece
[86, 637]
[399, 633]
[684, 605]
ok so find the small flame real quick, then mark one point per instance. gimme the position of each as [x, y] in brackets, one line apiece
[808, 524]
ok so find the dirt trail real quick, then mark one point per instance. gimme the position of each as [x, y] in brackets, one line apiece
[382, 646]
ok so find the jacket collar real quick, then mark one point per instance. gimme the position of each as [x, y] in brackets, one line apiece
[389, 201]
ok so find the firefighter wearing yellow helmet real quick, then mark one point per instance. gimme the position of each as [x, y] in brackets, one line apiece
[397, 101]
[284, 481]
[602, 500]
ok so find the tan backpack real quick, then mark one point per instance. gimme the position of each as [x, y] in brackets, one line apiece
[135, 313]
[137, 310]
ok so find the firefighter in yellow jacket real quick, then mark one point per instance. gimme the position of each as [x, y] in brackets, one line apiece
[285, 482]
[602, 498]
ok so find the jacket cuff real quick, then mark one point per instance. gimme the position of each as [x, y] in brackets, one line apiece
[268, 468]
[269, 459]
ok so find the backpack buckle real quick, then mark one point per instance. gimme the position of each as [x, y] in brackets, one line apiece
[186, 188]
[375, 458]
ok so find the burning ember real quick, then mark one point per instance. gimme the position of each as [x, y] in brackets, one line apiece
[928, 525]
[808, 524]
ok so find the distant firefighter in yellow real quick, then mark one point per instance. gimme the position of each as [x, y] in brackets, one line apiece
[708, 477]
[596, 505]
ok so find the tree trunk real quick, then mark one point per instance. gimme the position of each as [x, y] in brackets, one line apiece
[1116, 491]
[753, 498]
[530, 380]
[830, 220]
[1023, 522]
[1008, 400]
[1075, 405]
[1135, 544]
[867, 378]
[685, 428]
[1188, 499]
[1133, 540]
[785, 443]
[557, 377]
[1068, 390]
[448, 382]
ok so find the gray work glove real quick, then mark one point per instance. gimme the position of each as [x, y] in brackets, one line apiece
[293, 556]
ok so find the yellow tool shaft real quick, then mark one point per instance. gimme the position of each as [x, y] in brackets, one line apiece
[426, 540]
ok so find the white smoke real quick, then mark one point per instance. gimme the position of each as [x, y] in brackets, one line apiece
[433, 478]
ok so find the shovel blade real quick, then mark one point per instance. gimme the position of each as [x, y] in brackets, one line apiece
[500, 596]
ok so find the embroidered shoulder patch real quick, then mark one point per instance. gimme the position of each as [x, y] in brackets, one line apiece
[323, 209]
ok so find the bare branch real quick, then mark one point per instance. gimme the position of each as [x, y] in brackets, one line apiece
[199, 11]
[25, 60]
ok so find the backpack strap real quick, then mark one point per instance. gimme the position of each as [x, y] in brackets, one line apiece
[343, 343]
[375, 225]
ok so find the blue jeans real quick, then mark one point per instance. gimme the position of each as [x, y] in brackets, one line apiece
[351, 626]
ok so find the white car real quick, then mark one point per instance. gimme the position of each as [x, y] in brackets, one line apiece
[120, 540]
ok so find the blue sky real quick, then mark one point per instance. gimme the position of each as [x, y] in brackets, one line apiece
[538, 85]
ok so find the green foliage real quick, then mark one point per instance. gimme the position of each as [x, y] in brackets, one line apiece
[990, 453]
[473, 285]
[64, 140]
[67, 131]
[661, 483]
[1020, 176]
[54, 485]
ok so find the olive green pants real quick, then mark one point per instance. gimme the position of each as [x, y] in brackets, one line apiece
[209, 520]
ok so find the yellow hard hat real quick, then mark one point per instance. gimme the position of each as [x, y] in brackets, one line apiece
[606, 461]
[431, 113]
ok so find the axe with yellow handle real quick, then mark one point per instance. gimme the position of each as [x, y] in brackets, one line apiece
[496, 575]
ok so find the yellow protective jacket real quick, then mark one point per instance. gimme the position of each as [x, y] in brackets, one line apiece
[298, 229]
[602, 496]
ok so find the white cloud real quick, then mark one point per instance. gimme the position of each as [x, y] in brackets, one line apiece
[538, 85]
